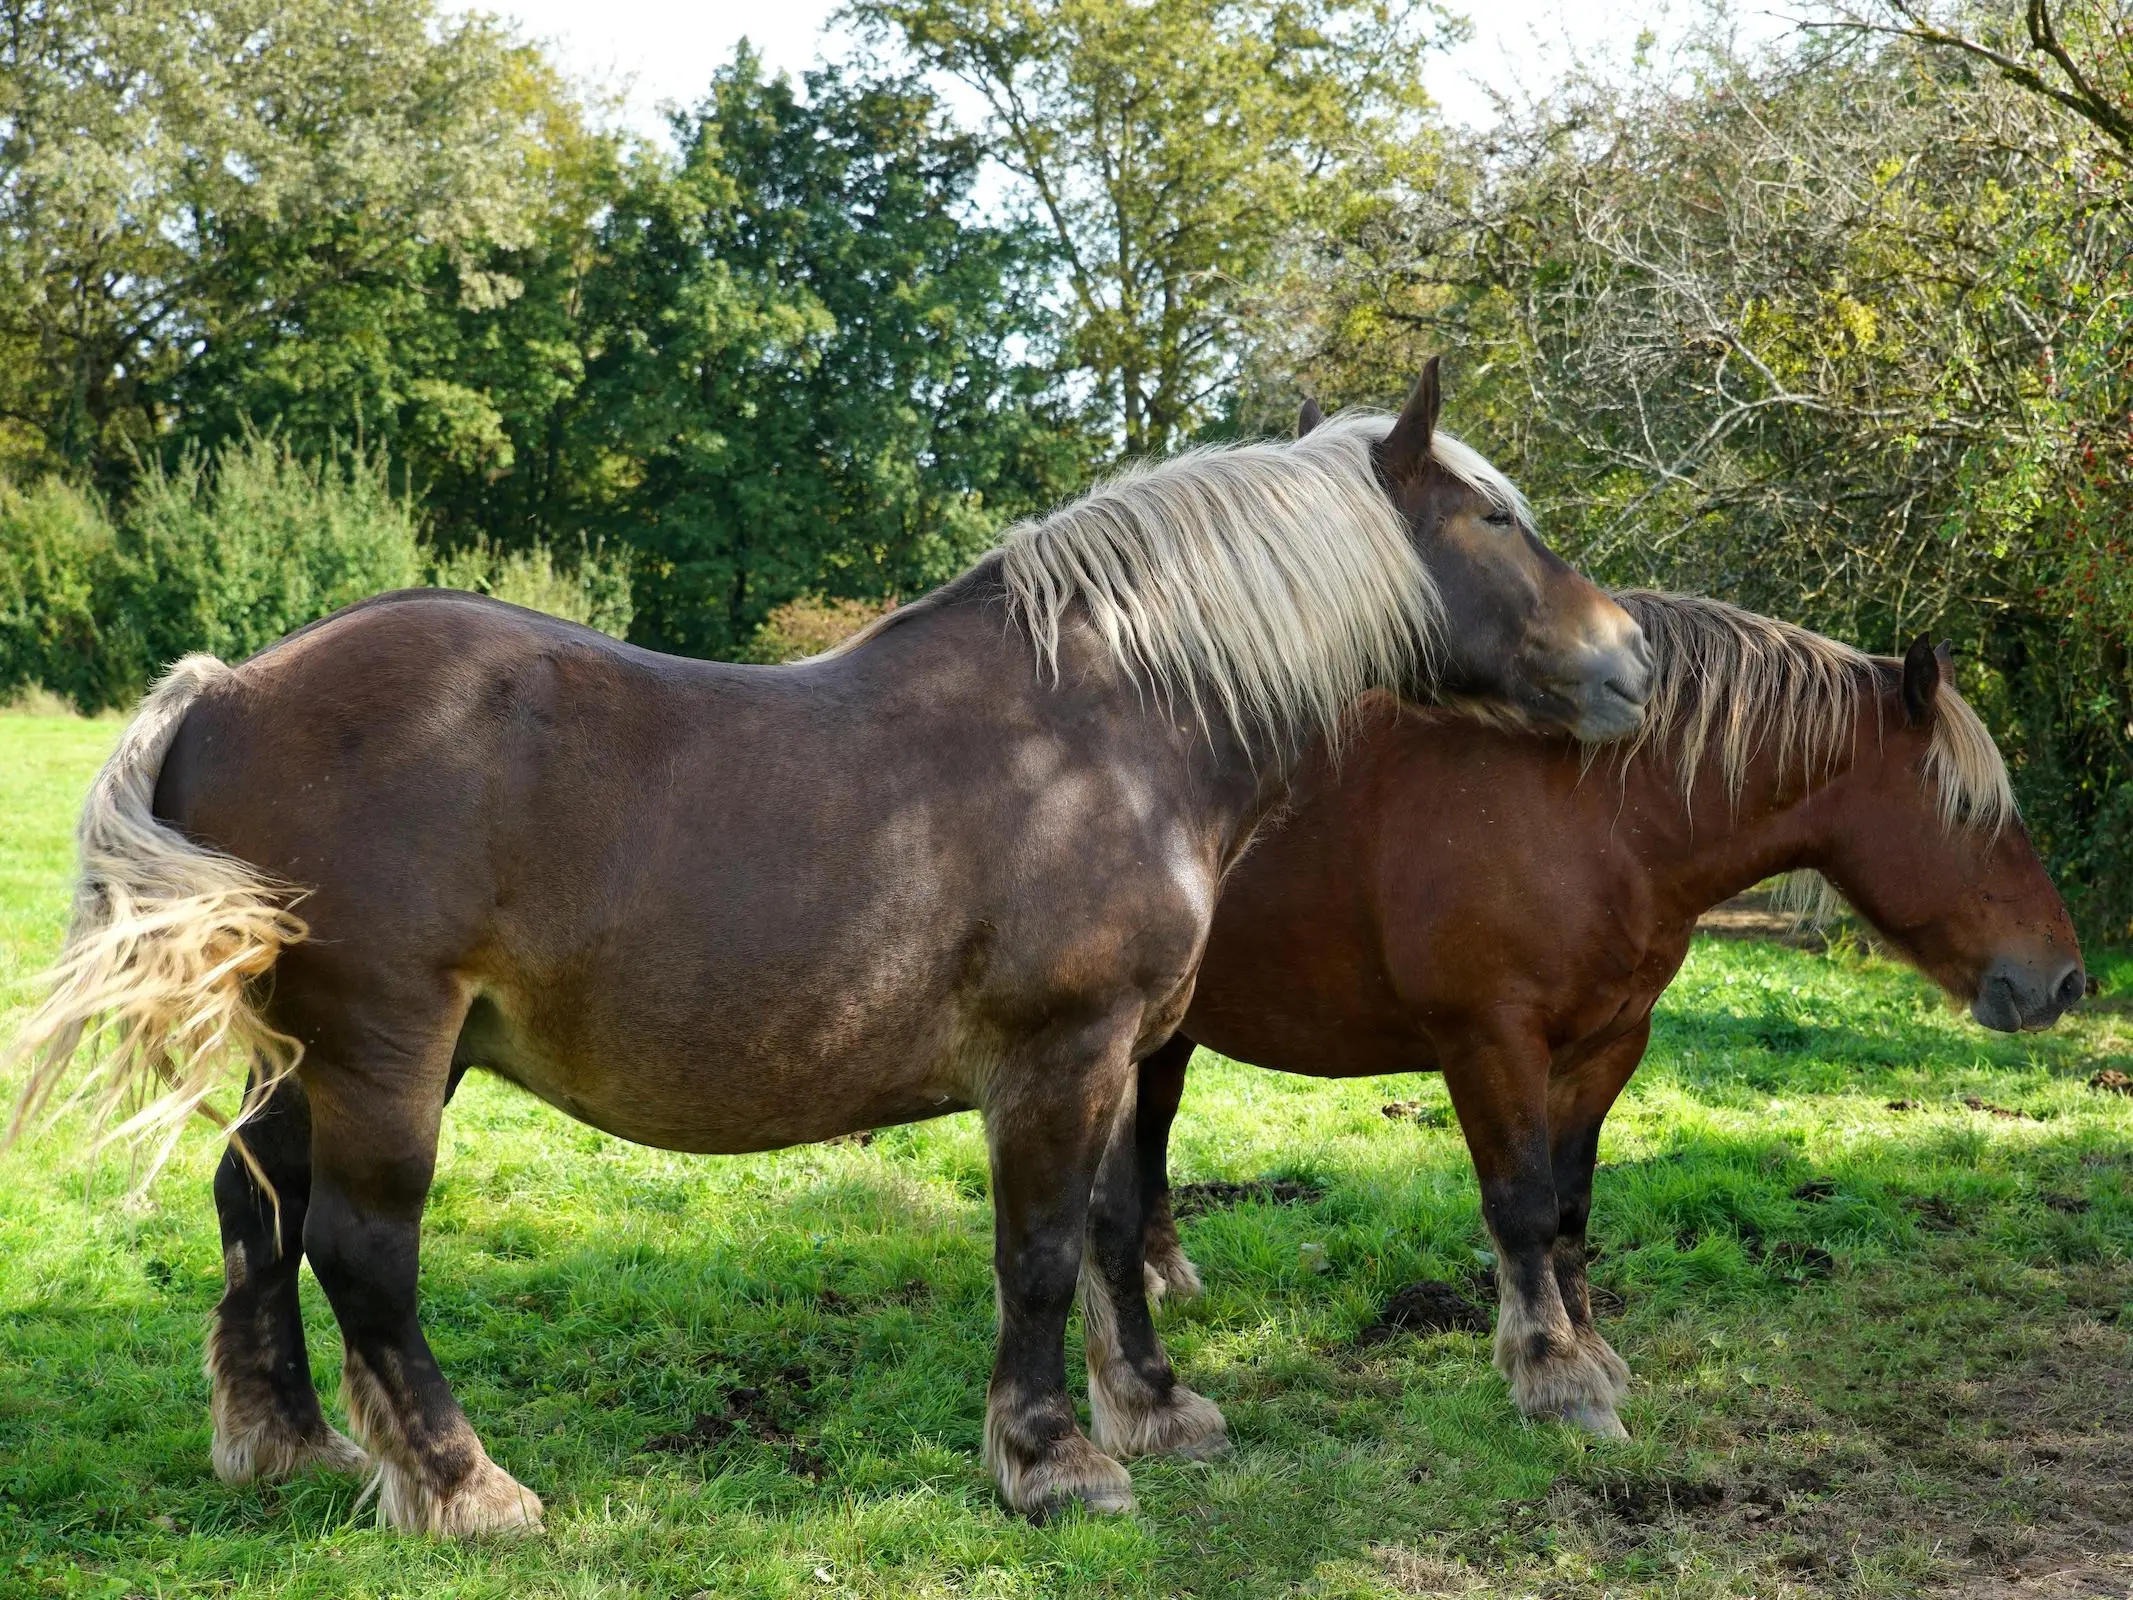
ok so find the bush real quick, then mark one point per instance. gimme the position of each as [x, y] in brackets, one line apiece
[810, 625]
[227, 553]
[57, 553]
[593, 590]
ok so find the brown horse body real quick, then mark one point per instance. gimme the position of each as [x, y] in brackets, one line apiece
[1506, 909]
[969, 862]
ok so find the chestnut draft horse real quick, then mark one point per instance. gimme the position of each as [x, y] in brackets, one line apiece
[967, 861]
[1505, 909]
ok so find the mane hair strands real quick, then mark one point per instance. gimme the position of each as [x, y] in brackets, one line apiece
[1732, 685]
[1270, 584]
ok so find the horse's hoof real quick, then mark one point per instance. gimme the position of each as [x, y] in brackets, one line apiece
[1179, 1277]
[268, 1451]
[1184, 1424]
[489, 1502]
[1098, 1499]
[1070, 1471]
[1595, 1417]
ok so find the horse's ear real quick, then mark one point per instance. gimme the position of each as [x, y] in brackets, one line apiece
[1308, 418]
[1921, 679]
[1404, 452]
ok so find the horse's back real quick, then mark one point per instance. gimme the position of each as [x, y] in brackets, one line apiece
[672, 889]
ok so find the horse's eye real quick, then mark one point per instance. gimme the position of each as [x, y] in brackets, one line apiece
[1498, 518]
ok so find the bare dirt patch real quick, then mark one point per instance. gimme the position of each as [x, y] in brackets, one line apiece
[762, 1412]
[1431, 1306]
[2031, 1454]
[1195, 1199]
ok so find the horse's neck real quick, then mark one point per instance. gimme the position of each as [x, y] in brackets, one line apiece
[1725, 846]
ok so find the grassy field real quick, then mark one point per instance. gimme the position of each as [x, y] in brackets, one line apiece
[1878, 1350]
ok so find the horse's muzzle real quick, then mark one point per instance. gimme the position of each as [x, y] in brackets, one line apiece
[2013, 997]
[1614, 683]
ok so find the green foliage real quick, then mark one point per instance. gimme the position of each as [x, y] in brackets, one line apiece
[590, 589]
[205, 206]
[56, 551]
[1172, 149]
[227, 552]
[585, 1296]
[815, 374]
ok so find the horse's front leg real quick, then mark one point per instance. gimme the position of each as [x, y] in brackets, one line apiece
[1136, 1405]
[1578, 1104]
[1048, 1116]
[1498, 1077]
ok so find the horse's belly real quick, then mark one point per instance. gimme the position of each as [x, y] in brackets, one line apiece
[725, 1096]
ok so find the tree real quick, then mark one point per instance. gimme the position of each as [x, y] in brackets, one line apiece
[1838, 331]
[238, 206]
[2077, 54]
[1171, 147]
[812, 372]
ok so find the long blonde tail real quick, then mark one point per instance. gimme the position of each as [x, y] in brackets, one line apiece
[155, 976]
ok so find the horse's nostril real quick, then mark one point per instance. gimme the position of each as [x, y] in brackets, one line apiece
[2072, 987]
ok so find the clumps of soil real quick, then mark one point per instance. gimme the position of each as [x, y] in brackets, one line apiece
[1799, 1263]
[832, 1304]
[1195, 1199]
[1423, 1113]
[860, 1140]
[2112, 1081]
[748, 1411]
[1986, 1106]
[1935, 1214]
[1431, 1306]
[1903, 1105]
[2072, 1204]
[1815, 1190]
[1650, 1499]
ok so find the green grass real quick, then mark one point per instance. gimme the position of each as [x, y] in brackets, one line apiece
[1963, 1367]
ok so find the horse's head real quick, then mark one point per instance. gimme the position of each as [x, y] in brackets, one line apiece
[1925, 844]
[1526, 639]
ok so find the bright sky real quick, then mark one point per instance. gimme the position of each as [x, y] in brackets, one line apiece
[666, 50]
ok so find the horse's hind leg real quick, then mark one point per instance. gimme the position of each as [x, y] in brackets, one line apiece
[377, 1095]
[1499, 1086]
[1162, 1086]
[1136, 1405]
[267, 1418]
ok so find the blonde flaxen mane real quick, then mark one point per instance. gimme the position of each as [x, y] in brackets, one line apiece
[1270, 584]
[1733, 686]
